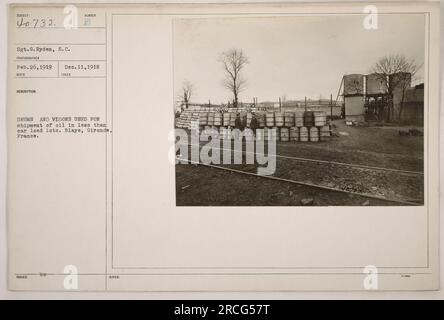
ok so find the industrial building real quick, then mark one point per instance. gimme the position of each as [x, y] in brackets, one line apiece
[367, 98]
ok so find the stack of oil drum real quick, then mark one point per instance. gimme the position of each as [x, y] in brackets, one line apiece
[301, 126]
[295, 126]
[312, 127]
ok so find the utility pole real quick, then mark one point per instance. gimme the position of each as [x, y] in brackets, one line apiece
[305, 103]
[331, 107]
[280, 107]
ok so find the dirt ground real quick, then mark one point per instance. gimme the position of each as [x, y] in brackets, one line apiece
[198, 185]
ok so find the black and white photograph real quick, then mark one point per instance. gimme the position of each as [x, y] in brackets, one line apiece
[248, 150]
[303, 110]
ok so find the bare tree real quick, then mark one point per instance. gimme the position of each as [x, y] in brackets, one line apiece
[233, 61]
[186, 93]
[396, 72]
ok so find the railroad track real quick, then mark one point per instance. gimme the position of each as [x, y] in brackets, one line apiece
[335, 163]
[399, 199]
[408, 202]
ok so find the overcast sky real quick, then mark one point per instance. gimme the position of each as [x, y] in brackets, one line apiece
[292, 56]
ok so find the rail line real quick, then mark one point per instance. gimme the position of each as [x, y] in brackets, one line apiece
[350, 165]
[365, 195]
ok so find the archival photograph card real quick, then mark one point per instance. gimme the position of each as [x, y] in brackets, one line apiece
[223, 147]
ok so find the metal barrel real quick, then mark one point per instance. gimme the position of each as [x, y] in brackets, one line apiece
[210, 120]
[303, 134]
[289, 119]
[225, 133]
[324, 133]
[279, 119]
[314, 134]
[269, 119]
[308, 119]
[299, 119]
[218, 119]
[226, 119]
[203, 118]
[294, 134]
[261, 119]
[233, 119]
[285, 134]
[320, 118]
